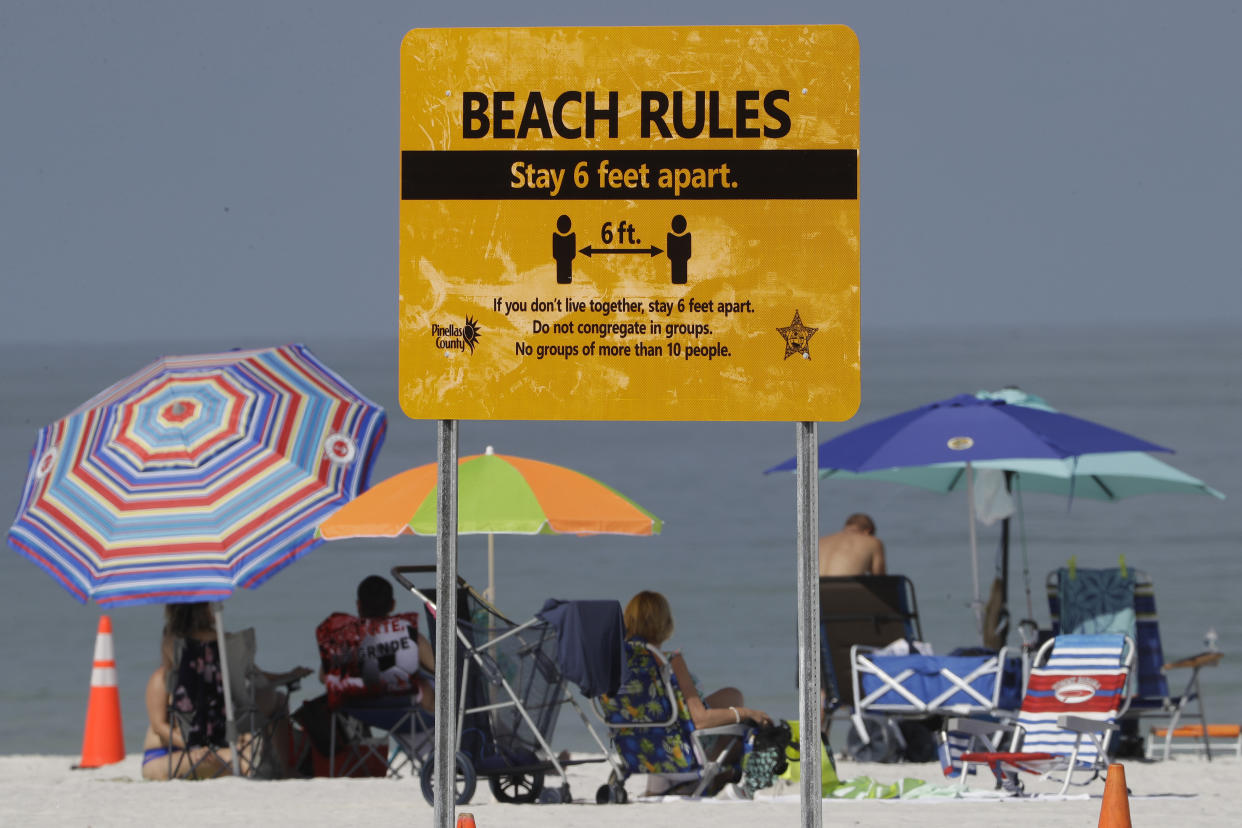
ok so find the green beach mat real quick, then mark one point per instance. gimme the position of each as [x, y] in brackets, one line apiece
[862, 787]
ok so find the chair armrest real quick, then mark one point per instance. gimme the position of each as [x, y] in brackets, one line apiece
[699, 734]
[1083, 725]
[979, 727]
[723, 730]
[1196, 661]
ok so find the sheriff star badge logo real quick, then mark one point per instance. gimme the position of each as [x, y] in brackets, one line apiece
[797, 337]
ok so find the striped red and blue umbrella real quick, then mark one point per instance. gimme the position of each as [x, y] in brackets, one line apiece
[195, 476]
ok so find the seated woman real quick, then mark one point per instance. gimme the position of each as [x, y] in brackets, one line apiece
[649, 619]
[165, 755]
[190, 681]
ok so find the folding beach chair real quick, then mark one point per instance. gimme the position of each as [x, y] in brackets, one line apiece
[373, 679]
[869, 610]
[872, 610]
[1074, 694]
[652, 732]
[390, 736]
[196, 709]
[1123, 599]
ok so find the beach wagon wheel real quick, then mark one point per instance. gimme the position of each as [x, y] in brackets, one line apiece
[516, 787]
[613, 792]
[464, 783]
[555, 796]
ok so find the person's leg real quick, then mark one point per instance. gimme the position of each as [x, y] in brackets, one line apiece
[728, 749]
[156, 764]
[198, 762]
[724, 698]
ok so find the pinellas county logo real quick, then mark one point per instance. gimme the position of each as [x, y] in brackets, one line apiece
[457, 337]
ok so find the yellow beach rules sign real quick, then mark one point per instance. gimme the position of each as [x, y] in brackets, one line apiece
[630, 223]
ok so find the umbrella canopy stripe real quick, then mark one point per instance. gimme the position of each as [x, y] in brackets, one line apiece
[236, 522]
[386, 511]
[571, 507]
[498, 488]
[209, 471]
[1111, 477]
[192, 555]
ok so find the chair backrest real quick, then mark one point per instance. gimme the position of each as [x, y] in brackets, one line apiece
[195, 685]
[1151, 679]
[1078, 675]
[874, 610]
[648, 718]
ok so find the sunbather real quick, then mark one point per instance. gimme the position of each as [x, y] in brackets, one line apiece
[855, 550]
[649, 618]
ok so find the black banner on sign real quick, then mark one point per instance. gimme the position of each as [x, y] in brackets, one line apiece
[629, 174]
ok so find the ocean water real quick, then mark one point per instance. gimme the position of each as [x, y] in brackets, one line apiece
[726, 557]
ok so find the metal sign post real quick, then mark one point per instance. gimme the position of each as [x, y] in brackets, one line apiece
[445, 756]
[808, 622]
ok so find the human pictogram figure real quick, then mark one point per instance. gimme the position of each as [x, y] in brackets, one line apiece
[563, 250]
[678, 249]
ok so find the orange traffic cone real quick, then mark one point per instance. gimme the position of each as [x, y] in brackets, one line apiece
[465, 821]
[1115, 812]
[104, 739]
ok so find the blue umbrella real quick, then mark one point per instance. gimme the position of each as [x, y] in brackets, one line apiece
[1109, 476]
[965, 429]
[968, 429]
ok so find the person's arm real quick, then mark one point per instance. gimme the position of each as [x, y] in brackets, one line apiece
[288, 676]
[700, 714]
[157, 709]
[878, 566]
[426, 658]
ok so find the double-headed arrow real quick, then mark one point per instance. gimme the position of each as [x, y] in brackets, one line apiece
[589, 251]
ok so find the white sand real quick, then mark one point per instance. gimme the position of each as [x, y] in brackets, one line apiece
[42, 790]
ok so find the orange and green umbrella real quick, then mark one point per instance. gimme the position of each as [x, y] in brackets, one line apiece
[497, 494]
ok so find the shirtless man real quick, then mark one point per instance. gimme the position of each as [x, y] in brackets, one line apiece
[855, 550]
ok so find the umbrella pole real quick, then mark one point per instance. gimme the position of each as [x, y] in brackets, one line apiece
[808, 622]
[444, 792]
[491, 569]
[230, 727]
[977, 604]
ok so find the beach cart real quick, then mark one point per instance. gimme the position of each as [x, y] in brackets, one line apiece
[512, 691]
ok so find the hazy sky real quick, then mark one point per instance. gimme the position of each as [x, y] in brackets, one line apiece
[230, 168]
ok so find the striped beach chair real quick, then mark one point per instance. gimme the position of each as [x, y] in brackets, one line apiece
[1101, 606]
[1074, 695]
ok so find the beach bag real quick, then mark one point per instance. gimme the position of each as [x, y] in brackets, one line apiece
[793, 770]
[765, 756]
